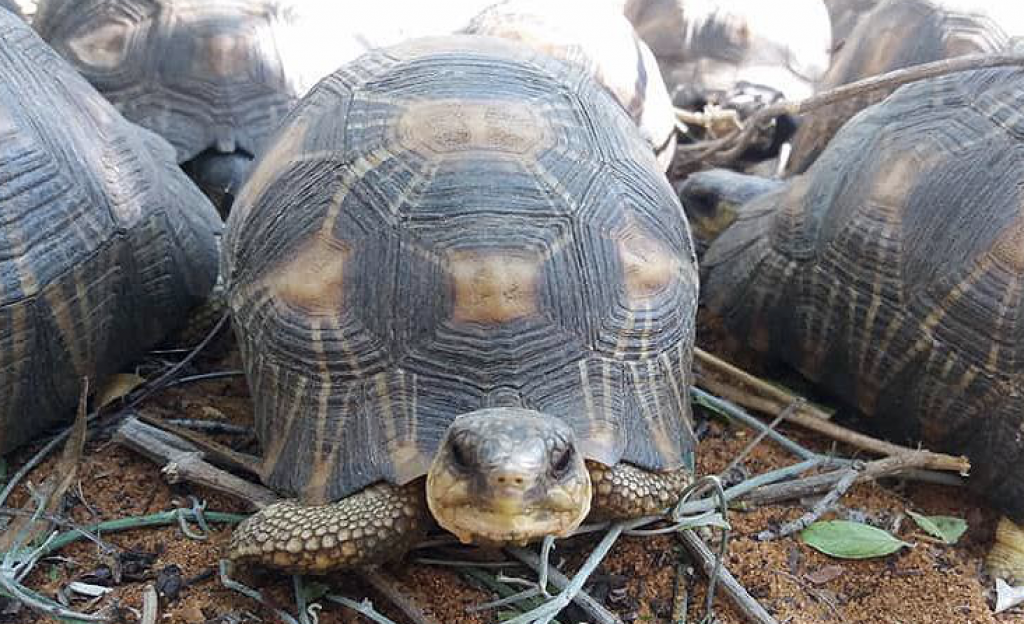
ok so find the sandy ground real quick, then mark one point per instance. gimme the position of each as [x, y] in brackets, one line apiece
[926, 583]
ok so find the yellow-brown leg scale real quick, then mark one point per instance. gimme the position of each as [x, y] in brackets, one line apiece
[625, 491]
[373, 525]
[1006, 559]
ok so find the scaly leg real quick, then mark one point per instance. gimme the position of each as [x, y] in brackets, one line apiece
[373, 525]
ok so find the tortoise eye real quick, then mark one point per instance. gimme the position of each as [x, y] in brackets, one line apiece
[460, 457]
[560, 466]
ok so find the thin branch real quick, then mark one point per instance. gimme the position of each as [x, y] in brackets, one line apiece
[780, 398]
[594, 609]
[729, 148]
[792, 407]
[732, 411]
[364, 608]
[547, 611]
[825, 504]
[245, 590]
[934, 461]
[747, 605]
[877, 469]
[387, 586]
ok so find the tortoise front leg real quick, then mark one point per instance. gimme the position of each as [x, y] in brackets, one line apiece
[625, 491]
[374, 525]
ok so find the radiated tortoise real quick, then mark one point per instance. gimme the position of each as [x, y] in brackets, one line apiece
[463, 289]
[213, 77]
[898, 34]
[892, 273]
[604, 43]
[104, 243]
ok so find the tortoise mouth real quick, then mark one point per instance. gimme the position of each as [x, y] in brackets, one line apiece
[506, 522]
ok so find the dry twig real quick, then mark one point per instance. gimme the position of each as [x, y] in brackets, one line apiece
[748, 606]
[387, 586]
[728, 148]
[933, 461]
[826, 503]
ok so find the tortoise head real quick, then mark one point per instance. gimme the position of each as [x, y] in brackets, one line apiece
[508, 475]
[219, 174]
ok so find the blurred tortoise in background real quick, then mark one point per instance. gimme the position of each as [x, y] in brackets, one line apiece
[213, 77]
[898, 34]
[463, 289]
[892, 274]
[726, 59]
[597, 36]
[844, 16]
[11, 6]
[105, 244]
[707, 47]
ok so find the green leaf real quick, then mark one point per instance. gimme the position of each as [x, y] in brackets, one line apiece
[947, 528]
[850, 540]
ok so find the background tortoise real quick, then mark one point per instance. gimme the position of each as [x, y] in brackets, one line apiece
[880, 43]
[708, 46]
[213, 77]
[458, 256]
[105, 244]
[604, 43]
[844, 16]
[11, 6]
[892, 273]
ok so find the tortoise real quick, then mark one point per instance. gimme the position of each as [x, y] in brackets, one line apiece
[11, 6]
[213, 77]
[892, 274]
[463, 289]
[879, 44]
[844, 16]
[105, 243]
[605, 43]
[710, 46]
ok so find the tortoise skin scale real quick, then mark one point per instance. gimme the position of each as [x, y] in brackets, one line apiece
[879, 43]
[892, 272]
[104, 243]
[447, 225]
[204, 74]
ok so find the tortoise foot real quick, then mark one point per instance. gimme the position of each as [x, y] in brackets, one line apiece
[1006, 559]
[373, 525]
[625, 491]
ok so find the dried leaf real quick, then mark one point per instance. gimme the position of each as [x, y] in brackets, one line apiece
[1007, 597]
[117, 386]
[947, 528]
[825, 574]
[850, 540]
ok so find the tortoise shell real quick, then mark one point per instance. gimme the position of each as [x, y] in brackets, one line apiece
[11, 6]
[451, 224]
[892, 271]
[605, 44]
[221, 74]
[105, 244]
[204, 74]
[879, 43]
